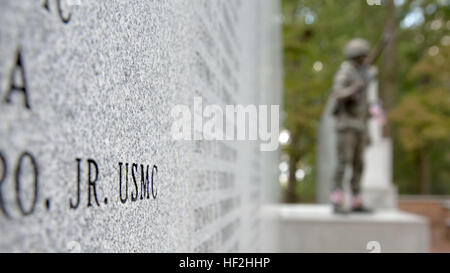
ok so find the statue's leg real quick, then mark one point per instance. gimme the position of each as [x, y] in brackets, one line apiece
[340, 166]
[358, 166]
[357, 162]
[344, 155]
[345, 147]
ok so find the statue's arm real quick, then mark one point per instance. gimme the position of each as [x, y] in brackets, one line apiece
[342, 90]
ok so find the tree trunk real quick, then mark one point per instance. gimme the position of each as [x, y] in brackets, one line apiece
[425, 171]
[388, 68]
[291, 194]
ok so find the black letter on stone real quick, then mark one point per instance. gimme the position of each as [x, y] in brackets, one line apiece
[72, 206]
[144, 183]
[92, 183]
[2, 179]
[134, 169]
[45, 5]
[120, 183]
[65, 20]
[58, 5]
[17, 175]
[13, 86]
[154, 173]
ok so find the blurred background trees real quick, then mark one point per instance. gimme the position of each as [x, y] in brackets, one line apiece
[414, 85]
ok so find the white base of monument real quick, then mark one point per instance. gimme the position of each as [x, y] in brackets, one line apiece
[377, 188]
[380, 197]
[314, 228]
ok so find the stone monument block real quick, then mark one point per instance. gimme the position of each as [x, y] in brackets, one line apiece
[316, 229]
[87, 161]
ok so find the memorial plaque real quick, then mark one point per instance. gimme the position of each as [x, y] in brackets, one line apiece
[87, 159]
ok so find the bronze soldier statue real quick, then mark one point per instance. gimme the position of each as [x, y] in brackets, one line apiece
[352, 112]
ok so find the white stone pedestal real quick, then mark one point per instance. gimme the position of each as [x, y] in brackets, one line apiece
[314, 228]
[377, 188]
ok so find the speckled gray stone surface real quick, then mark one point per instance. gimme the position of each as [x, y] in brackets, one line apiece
[100, 87]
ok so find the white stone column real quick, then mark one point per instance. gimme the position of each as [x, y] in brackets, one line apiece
[378, 190]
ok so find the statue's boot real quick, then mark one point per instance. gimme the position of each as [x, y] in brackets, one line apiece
[337, 197]
[358, 206]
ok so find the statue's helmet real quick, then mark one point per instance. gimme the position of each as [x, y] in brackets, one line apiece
[356, 48]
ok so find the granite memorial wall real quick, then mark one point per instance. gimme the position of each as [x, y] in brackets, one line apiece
[87, 161]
